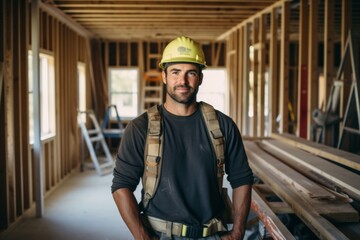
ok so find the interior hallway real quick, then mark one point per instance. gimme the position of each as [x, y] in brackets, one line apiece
[82, 208]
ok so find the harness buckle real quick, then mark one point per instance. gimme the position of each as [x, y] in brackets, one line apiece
[193, 231]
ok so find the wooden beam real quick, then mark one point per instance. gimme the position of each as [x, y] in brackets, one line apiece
[313, 81]
[261, 85]
[1, 79]
[305, 211]
[65, 19]
[284, 67]
[307, 164]
[255, 71]
[245, 78]
[302, 93]
[329, 74]
[273, 66]
[240, 67]
[38, 167]
[273, 224]
[346, 18]
[336, 155]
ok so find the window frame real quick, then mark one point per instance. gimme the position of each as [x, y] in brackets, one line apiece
[136, 92]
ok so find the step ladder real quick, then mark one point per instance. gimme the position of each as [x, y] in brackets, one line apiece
[101, 157]
[107, 130]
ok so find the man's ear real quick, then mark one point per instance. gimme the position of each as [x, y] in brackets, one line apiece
[163, 76]
[201, 78]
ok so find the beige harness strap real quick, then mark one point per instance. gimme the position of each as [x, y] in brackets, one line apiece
[152, 154]
[216, 137]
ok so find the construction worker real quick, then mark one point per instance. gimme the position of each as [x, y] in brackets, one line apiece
[186, 202]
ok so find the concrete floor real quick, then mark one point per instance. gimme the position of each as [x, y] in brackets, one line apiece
[82, 208]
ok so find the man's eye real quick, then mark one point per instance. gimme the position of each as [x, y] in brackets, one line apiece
[192, 74]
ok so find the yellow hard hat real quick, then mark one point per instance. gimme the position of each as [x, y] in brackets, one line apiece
[183, 49]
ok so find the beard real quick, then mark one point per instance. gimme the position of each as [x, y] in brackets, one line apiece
[184, 98]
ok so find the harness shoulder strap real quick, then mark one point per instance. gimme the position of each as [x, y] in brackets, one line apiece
[217, 138]
[152, 154]
[154, 148]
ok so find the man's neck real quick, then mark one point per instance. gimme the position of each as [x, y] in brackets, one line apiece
[180, 109]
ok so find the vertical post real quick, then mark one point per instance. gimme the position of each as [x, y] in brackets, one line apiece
[313, 64]
[303, 72]
[245, 102]
[39, 196]
[328, 58]
[261, 89]
[345, 26]
[284, 67]
[255, 70]
[240, 66]
[273, 65]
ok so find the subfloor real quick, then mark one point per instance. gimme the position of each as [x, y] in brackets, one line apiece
[82, 208]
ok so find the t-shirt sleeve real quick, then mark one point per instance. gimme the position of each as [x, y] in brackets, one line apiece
[236, 162]
[129, 161]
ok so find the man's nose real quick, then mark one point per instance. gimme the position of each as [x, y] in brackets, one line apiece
[183, 78]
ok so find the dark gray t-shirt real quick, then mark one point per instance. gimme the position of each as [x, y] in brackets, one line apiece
[187, 190]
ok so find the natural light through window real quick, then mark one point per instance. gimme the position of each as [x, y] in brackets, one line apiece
[124, 85]
[81, 89]
[47, 96]
[214, 88]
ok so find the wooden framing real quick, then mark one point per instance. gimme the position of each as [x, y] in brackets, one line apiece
[273, 68]
[306, 211]
[345, 158]
[245, 80]
[255, 71]
[261, 85]
[284, 67]
[308, 164]
[21, 181]
[302, 115]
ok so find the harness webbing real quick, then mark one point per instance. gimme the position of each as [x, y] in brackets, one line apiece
[154, 148]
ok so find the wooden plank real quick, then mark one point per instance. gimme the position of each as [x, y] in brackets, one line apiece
[304, 162]
[319, 225]
[284, 67]
[255, 71]
[240, 67]
[1, 79]
[336, 155]
[273, 224]
[261, 87]
[245, 78]
[313, 82]
[325, 202]
[303, 66]
[273, 66]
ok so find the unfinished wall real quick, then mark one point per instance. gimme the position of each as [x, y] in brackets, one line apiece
[60, 153]
[282, 63]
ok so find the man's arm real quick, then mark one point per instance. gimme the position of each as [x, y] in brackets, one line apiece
[241, 206]
[129, 210]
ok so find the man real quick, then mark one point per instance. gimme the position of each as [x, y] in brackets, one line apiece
[187, 194]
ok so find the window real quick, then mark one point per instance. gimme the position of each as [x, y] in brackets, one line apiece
[47, 96]
[124, 87]
[81, 76]
[214, 88]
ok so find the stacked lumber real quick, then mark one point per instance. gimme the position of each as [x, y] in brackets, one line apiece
[319, 192]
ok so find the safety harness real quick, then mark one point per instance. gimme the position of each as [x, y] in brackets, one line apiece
[152, 171]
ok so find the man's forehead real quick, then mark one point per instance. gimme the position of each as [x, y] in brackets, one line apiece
[172, 66]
